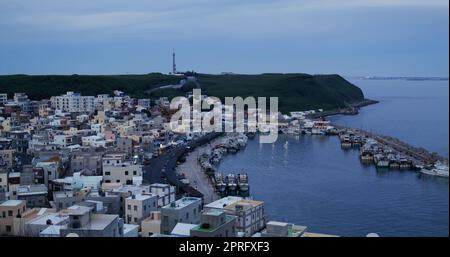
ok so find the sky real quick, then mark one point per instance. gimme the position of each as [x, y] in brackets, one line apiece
[347, 37]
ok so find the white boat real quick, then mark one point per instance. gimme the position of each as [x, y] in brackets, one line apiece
[439, 169]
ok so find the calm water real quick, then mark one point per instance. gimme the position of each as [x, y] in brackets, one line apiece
[310, 180]
[414, 111]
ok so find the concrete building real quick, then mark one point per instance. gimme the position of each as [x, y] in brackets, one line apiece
[182, 229]
[139, 207]
[130, 230]
[122, 172]
[94, 141]
[84, 223]
[8, 211]
[86, 161]
[151, 225]
[22, 100]
[143, 103]
[282, 229]
[165, 193]
[111, 202]
[34, 195]
[250, 213]
[4, 179]
[27, 175]
[6, 158]
[64, 199]
[125, 144]
[185, 210]
[215, 223]
[42, 221]
[77, 182]
[73, 102]
[3, 99]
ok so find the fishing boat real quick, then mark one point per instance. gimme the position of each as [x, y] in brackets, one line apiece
[219, 183]
[381, 161]
[242, 182]
[346, 141]
[231, 184]
[438, 169]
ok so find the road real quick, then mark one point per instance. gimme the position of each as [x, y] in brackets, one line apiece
[162, 168]
[197, 178]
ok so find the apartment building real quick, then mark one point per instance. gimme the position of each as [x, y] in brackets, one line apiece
[151, 225]
[73, 102]
[165, 193]
[215, 223]
[8, 211]
[124, 172]
[84, 223]
[139, 207]
[185, 210]
[250, 213]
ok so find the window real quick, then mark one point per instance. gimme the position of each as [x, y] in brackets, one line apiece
[135, 220]
[8, 228]
[134, 172]
[10, 213]
[135, 207]
[187, 215]
[107, 173]
[4, 215]
[129, 207]
[145, 207]
[126, 173]
[118, 181]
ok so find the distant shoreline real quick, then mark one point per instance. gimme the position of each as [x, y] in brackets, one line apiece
[353, 109]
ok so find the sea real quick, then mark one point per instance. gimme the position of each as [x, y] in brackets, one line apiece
[309, 180]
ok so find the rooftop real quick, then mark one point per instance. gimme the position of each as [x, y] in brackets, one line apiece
[32, 189]
[228, 218]
[181, 203]
[183, 229]
[246, 203]
[141, 197]
[11, 203]
[221, 203]
[54, 218]
[101, 221]
[77, 210]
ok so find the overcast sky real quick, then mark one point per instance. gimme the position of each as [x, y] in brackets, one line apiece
[349, 37]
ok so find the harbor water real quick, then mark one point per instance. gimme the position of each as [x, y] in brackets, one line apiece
[309, 180]
[414, 111]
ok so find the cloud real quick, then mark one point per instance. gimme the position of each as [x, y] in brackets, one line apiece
[176, 19]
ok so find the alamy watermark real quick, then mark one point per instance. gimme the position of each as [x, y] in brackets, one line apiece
[208, 114]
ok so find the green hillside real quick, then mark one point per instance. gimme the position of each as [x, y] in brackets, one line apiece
[295, 91]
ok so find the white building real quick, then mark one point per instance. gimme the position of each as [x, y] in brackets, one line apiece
[3, 99]
[165, 193]
[73, 102]
[139, 207]
[250, 213]
[123, 172]
[94, 141]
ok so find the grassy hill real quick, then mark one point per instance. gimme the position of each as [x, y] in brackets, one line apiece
[295, 91]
